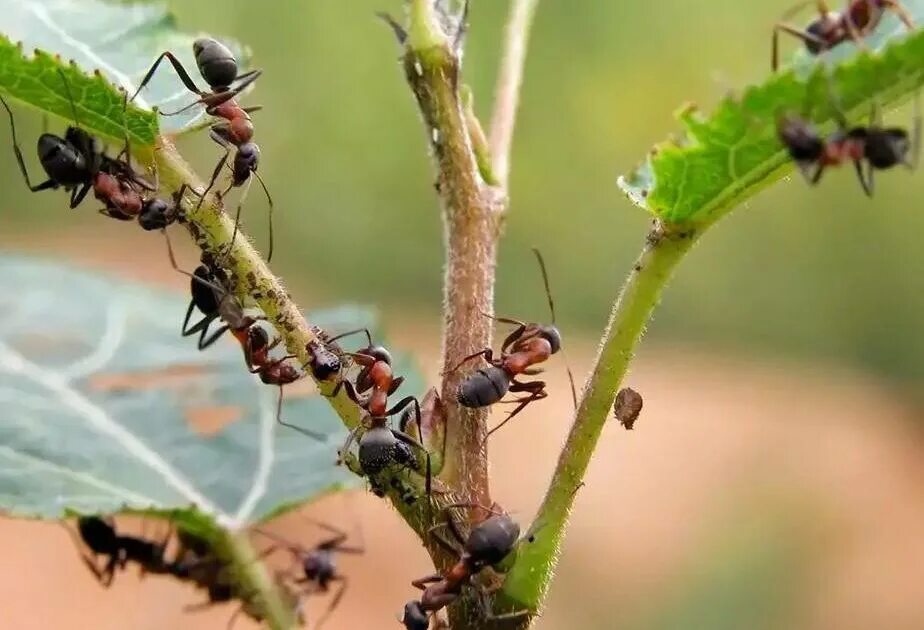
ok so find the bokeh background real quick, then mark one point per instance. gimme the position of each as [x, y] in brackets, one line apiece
[776, 477]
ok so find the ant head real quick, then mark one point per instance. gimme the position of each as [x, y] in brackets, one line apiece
[216, 63]
[415, 617]
[887, 147]
[246, 161]
[379, 353]
[800, 138]
[324, 363]
[821, 29]
[155, 214]
[551, 334]
[492, 540]
[257, 337]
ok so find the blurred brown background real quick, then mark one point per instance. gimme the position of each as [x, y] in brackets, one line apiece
[775, 479]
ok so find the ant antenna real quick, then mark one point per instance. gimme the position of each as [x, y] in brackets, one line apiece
[269, 199]
[70, 96]
[548, 294]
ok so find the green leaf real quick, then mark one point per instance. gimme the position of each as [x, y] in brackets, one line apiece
[724, 158]
[100, 394]
[117, 43]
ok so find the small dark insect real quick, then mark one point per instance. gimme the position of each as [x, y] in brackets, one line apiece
[78, 164]
[318, 565]
[873, 146]
[381, 446]
[526, 346]
[830, 28]
[219, 68]
[155, 213]
[627, 407]
[489, 542]
[101, 538]
[325, 354]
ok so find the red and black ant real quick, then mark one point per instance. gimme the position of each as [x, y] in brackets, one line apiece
[878, 147]
[78, 164]
[101, 537]
[859, 19]
[211, 294]
[219, 68]
[381, 446]
[488, 543]
[319, 564]
[528, 345]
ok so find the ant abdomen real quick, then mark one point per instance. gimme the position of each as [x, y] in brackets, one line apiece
[216, 63]
[379, 448]
[492, 540]
[98, 535]
[485, 387]
[415, 618]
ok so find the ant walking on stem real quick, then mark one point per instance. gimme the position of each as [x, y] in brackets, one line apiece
[381, 446]
[211, 294]
[859, 19]
[219, 68]
[528, 345]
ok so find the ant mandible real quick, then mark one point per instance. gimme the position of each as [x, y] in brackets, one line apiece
[78, 164]
[219, 68]
[488, 543]
[526, 346]
[380, 445]
[859, 19]
[319, 564]
[880, 148]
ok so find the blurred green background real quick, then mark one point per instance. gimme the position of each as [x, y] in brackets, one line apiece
[820, 275]
[819, 272]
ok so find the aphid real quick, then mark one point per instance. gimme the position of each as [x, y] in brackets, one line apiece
[830, 28]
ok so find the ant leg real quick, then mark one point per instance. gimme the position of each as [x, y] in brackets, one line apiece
[806, 37]
[269, 201]
[866, 180]
[212, 100]
[487, 353]
[485, 600]
[319, 437]
[19, 159]
[206, 342]
[428, 469]
[522, 403]
[421, 583]
[180, 70]
[398, 30]
[80, 194]
[899, 9]
[215, 174]
[352, 332]
[351, 436]
[816, 176]
[233, 619]
[335, 601]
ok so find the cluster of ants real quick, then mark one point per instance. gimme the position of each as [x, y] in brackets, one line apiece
[78, 163]
[871, 147]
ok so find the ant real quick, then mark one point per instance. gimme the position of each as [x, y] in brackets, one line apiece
[380, 445]
[319, 564]
[219, 68]
[878, 147]
[155, 213]
[859, 19]
[523, 348]
[488, 543]
[78, 164]
[101, 538]
[211, 295]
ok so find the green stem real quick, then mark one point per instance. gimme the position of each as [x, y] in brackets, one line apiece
[251, 577]
[528, 580]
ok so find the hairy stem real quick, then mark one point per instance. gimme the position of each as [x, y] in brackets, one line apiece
[528, 581]
[472, 212]
[507, 92]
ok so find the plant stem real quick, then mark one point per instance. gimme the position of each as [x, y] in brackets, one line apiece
[251, 577]
[528, 581]
[472, 219]
[507, 92]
